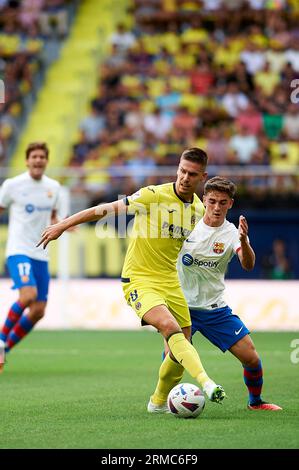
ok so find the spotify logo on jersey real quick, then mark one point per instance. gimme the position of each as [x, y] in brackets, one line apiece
[187, 259]
[29, 208]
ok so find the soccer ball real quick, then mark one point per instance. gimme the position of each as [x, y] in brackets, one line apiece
[186, 401]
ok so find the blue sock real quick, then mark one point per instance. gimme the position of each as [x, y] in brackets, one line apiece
[253, 378]
[21, 329]
[13, 316]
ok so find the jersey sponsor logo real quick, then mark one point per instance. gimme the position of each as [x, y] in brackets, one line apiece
[218, 247]
[176, 231]
[29, 208]
[188, 260]
[151, 189]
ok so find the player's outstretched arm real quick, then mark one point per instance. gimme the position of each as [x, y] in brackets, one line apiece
[88, 215]
[246, 254]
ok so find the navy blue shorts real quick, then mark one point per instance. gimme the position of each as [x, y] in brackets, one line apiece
[26, 271]
[219, 326]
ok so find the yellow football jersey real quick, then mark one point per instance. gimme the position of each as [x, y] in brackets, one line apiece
[162, 223]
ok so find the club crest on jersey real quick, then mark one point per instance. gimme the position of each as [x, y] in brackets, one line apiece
[193, 219]
[218, 248]
[49, 194]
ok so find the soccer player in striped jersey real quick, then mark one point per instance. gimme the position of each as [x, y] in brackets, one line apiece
[202, 264]
[33, 201]
[165, 215]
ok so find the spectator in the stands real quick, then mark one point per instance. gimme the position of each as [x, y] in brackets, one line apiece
[185, 121]
[266, 79]
[122, 38]
[157, 123]
[251, 119]
[272, 121]
[140, 163]
[233, 100]
[202, 78]
[291, 122]
[30, 13]
[244, 144]
[54, 18]
[254, 57]
[217, 146]
[277, 264]
[92, 125]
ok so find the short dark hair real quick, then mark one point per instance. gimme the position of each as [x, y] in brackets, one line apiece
[37, 146]
[196, 155]
[221, 184]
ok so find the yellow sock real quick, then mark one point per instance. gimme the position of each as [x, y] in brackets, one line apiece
[187, 355]
[170, 374]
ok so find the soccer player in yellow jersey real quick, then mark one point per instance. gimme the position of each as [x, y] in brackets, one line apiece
[165, 215]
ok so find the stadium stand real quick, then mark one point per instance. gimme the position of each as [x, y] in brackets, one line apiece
[68, 83]
[27, 47]
[208, 73]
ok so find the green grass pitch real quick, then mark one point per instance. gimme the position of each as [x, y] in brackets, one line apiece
[82, 389]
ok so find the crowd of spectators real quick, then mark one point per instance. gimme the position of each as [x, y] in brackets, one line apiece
[211, 73]
[25, 27]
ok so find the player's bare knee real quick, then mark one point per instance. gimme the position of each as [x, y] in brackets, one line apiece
[28, 297]
[168, 328]
[253, 359]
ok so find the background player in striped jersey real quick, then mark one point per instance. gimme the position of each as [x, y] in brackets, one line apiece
[33, 201]
[164, 217]
[202, 265]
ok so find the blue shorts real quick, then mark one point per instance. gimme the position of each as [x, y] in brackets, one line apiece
[219, 326]
[26, 271]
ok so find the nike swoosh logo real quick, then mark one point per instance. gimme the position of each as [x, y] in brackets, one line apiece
[170, 212]
[189, 241]
[237, 332]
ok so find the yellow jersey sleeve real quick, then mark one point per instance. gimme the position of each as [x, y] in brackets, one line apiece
[142, 199]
